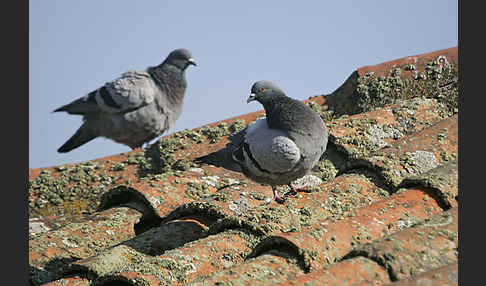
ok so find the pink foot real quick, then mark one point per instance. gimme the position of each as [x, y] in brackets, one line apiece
[276, 197]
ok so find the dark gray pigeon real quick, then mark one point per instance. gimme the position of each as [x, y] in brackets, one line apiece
[134, 108]
[285, 145]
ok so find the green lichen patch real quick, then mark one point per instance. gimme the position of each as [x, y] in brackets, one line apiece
[441, 181]
[257, 196]
[71, 190]
[178, 269]
[86, 236]
[266, 218]
[323, 111]
[135, 158]
[160, 157]
[174, 267]
[191, 134]
[343, 200]
[439, 80]
[214, 133]
[251, 239]
[361, 93]
[356, 144]
[427, 245]
[395, 168]
[237, 126]
[197, 191]
[361, 135]
[117, 166]
[418, 162]
[331, 163]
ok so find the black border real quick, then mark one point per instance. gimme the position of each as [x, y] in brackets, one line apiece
[471, 144]
[15, 131]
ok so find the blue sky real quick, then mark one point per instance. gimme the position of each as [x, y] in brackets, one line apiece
[306, 47]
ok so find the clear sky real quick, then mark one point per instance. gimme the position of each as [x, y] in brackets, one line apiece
[306, 47]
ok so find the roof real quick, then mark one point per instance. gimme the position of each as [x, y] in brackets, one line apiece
[381, 206]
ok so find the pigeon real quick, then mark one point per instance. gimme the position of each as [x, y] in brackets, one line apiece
[282, 147]
[134, 108]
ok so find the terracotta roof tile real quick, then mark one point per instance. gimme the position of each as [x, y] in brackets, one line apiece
[51, 250]
[69, 281]
[359, 135]
[327, 242]
[417, 153]
[418, 61]
[442, 276]
[432, 75]
[128, 278]
[248, 210]
[355, 271]
[167, 258]
[266, 269]
[381, 204]
[442, 180]
[426, 246]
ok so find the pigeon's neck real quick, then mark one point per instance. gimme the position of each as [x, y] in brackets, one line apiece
[171, 80]
[270, 106]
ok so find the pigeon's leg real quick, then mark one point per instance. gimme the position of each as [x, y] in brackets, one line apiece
[276, 197]
[293, 190]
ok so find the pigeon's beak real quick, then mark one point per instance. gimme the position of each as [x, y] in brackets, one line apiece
[192, 62]
[251, 98]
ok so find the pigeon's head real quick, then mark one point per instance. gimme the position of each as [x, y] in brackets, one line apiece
[180, 58]
[264, 90]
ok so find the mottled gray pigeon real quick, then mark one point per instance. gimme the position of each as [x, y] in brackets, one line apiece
[285, 145]
[134, 108]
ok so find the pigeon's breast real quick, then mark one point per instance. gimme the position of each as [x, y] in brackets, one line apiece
[272, 149]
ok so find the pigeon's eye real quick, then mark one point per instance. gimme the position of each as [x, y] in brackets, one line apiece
[262, 88]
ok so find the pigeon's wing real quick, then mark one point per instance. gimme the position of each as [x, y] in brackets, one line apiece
[268, 150]
[303, 125]
[129, 92]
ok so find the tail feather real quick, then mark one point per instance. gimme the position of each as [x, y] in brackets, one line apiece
[228, 156]
[82, 136]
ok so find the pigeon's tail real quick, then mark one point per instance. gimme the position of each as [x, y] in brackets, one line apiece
[220, 158]
[224, 157]
[82, 136]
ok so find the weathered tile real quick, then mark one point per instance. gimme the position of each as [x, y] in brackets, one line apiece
[325, 242]
[50, 251]
[417, 153]
[428, 245]
[443, 276]
[442, 180]
[354, 271]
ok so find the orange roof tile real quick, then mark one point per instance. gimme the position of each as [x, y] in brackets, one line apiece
[354, 271]
[431, 244]
[445, 275]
